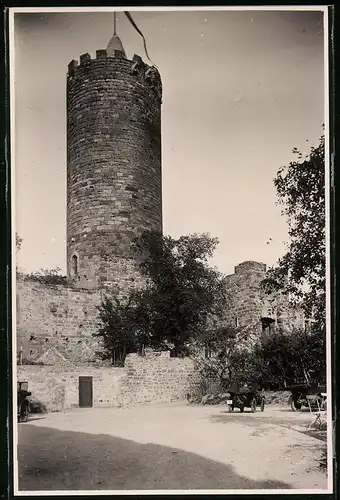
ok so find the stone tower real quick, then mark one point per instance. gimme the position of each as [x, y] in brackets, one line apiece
[249, 304]
[114, 183]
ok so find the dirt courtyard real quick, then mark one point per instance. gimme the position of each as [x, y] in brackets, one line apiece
[174, 446]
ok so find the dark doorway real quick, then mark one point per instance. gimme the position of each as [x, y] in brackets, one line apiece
[85, 392]
[268, 325]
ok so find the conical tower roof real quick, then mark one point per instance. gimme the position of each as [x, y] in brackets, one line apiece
[115, 44]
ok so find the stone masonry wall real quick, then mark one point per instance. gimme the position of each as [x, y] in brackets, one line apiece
[244, 297]
[55, 323]
[157, 377]
[57, 387]
[114, 184]
[149, 379]
[118, 274]
[248, 303]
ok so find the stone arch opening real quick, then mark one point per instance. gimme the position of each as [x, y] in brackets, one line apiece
[268, 324]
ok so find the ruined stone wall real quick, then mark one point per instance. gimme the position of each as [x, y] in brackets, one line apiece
[55, 323]
[153, 378]
[114, 186]
[248, 303]
[244, 297]
[289, 315]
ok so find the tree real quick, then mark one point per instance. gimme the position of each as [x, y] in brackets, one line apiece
[117, 330]
[227, 357]
[272, 361]
[185, 291]
[287, 359]
[301, 191]
[182, 291]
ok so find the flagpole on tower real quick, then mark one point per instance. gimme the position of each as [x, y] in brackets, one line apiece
[114, 23]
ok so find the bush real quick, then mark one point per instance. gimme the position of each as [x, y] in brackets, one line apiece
[47, 277]
[272, 362]
[279, 359]
[207, 386]
[279, 398]
[37, 406]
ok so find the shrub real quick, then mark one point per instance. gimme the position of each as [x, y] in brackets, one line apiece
[37, 406]
[47, 277]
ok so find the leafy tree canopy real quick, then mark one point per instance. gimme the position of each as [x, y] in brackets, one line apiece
[301, 192]
[182, 292]
[226, 356]
[272, 361]
[117, 330]
[279, 360]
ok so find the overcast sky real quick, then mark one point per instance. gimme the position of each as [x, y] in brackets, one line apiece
[241, 89]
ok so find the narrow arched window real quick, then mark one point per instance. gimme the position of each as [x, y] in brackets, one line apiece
[74, 265]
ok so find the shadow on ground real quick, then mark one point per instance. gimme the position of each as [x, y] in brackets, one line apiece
[31, 418]
[319, 435]
[287, 409]
[251, 419]
[264, 423]
[51, 459]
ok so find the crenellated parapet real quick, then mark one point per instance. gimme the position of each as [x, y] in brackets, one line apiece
[137, 68]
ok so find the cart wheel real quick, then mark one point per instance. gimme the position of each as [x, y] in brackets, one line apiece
[241, 409]
[262, 404]
[293, 404]
[24, 417]
[253, 406]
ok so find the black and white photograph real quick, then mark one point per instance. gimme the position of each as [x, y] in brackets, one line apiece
[171, 284]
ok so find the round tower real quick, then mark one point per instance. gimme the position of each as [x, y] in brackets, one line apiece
[114, 184]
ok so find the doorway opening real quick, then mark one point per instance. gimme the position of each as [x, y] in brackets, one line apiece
[85, 392]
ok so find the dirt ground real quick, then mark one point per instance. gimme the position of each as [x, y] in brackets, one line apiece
[169, 446]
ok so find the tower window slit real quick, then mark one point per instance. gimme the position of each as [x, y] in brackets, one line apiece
[74, 265]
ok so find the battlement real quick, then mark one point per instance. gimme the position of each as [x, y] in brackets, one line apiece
[136, 67]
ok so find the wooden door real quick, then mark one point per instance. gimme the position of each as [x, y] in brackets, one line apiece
[85, 392]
